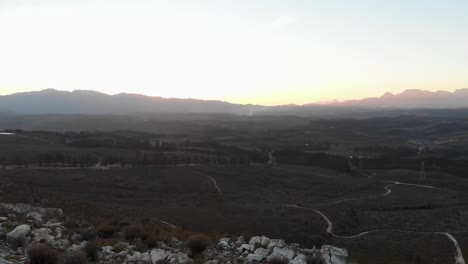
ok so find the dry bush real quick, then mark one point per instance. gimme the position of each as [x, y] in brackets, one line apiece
[92, 249]
[106, 230]
[152, 241]
[76, 257]
[197, 244]
[155, 233]
[42, 254]
[133, 231]
[278, 260]
[119, 247]
[87, 234]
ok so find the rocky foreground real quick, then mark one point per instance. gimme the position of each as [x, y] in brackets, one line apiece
[30, 234]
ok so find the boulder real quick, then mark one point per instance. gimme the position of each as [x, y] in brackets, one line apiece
[37, 217]
[334, 255]
[139, 257]
[223, 245]
[265, 241]
[299, 259]
[18, 235]
[246, 248]
[42, 235]
[282, 252]
[255, 240]
[255, 257]
[262, 252]
[276, 243]
[158, 254]
[180, 257]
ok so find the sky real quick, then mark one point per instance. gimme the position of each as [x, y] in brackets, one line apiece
[244, 51]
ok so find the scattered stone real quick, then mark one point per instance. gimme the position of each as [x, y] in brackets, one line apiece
[254, 257]
[334, 255]
[158, 254]
[42, 235]
[18, 235]
[259, 249]
[282, 252]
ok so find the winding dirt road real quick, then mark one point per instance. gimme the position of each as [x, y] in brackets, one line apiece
[212, 180]
[459, 255]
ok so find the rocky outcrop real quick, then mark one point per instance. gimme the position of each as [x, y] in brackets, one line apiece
[26, 224]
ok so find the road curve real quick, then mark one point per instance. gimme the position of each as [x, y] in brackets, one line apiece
[459, 256]
[387, 188]
[212, 180]
[422, 186]
[388, 191]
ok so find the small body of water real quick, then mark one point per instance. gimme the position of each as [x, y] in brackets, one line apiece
[6, 133]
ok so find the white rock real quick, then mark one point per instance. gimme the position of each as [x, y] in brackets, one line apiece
[213, 261]
[19, 233]
[285, 252]
[262, 251]
[146, 257]
[276, 243]
[334, 255]
[265, 241]
[139, 257]
[246, 247]
[35, 216]
[158, 254]
[52, 223]
[42, 234]
[223, 245]
[3, 219]
[59, 232]
[62, 243]
[299, 259]
[108, 250]
[179, 258]
[255, 257]
[254, 240]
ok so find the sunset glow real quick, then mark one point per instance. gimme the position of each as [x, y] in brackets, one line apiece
[239, 51]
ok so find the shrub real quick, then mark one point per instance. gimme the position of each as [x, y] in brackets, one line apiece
[106, 230]
[87, 234]
[42, 254]
[133, 231]
[278, 260]
[76, 257]
[92, 248]
[152, 241]
[119, 247]
[315, 259]
[197, 244]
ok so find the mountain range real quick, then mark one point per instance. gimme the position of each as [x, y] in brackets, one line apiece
[51, 101]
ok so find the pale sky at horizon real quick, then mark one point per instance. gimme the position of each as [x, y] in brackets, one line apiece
[263, 52]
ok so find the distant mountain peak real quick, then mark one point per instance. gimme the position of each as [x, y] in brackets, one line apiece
[414, 98]
[51, 101]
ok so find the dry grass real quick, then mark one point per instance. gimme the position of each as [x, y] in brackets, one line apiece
[42, 254]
